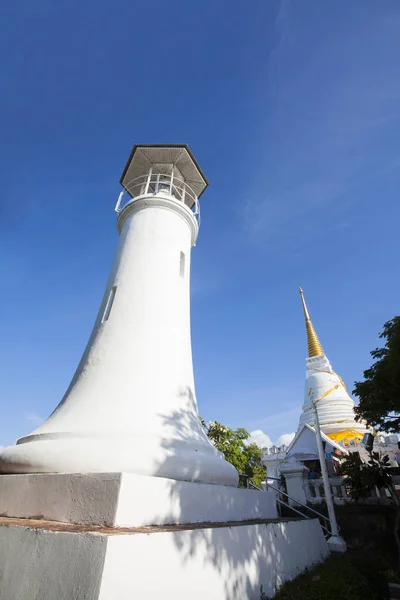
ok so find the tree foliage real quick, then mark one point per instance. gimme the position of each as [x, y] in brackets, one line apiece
[379, 393]
[362, 477]
[246, 458]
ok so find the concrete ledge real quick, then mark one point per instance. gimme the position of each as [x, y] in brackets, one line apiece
[79, 528]
[128, 500]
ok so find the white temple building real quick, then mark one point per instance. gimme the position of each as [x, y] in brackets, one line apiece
[341, 434]
[340, 431]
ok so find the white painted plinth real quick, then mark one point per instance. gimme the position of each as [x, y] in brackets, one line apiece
[223, 563]
[295, 474]
[127, 500]
[336, 544]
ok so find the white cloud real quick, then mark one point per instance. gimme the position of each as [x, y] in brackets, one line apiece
[282, 422]
[285, 439]
[260, 438]
[32, 418]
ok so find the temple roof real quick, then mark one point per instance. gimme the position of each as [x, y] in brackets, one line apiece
[295, 446]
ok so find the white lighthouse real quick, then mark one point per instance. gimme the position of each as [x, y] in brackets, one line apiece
[119, 493]
[131, 405]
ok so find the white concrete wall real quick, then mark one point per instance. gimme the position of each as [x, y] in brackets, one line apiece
[128, 500]
[154, 500]
[46, 565]
[217, 564]
[226, 563]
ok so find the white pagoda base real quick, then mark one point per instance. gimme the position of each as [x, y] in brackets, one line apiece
[116, 536]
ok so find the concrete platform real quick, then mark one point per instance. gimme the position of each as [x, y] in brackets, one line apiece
[128, 500]
[119, 536]
[42, 560]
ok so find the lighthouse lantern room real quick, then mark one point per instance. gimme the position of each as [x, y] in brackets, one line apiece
[170, 170]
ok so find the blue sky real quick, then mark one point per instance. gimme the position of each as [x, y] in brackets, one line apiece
[292, 110]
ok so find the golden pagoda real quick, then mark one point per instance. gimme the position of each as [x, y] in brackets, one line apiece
[327, 389]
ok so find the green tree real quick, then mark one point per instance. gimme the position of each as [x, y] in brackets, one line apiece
[254, 467]
[246, 458]
[364, 476]
[379, 393]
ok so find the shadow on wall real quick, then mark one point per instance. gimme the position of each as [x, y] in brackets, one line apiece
[243, 556]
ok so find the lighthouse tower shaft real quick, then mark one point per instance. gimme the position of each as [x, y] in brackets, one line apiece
[131, 405]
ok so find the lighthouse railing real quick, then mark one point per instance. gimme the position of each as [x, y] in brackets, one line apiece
[160, 183]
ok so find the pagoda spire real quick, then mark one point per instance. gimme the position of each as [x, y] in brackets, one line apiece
[314, 345]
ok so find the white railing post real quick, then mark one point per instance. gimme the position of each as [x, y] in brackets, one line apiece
[146, 189]
[117, 210]
[295, 474]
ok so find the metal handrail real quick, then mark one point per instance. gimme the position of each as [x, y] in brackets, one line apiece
[287, 505]
[323, 527]
[312, 510]
[250, 483]
[297, 502]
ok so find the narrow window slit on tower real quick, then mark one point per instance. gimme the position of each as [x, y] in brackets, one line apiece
[109, 304]
[182, 265]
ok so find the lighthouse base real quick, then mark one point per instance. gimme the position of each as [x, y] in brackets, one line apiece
[118, 536]
[128, 500]
[42, 559]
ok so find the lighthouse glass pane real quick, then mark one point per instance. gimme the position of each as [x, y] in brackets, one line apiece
[152, 186]
[109, 304]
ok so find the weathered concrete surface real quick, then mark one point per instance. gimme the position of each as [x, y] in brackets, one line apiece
[55, 561]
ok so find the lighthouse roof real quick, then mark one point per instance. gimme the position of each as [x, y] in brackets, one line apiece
[143, 156]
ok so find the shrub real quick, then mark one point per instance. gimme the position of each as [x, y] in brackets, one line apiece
[341, 576]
